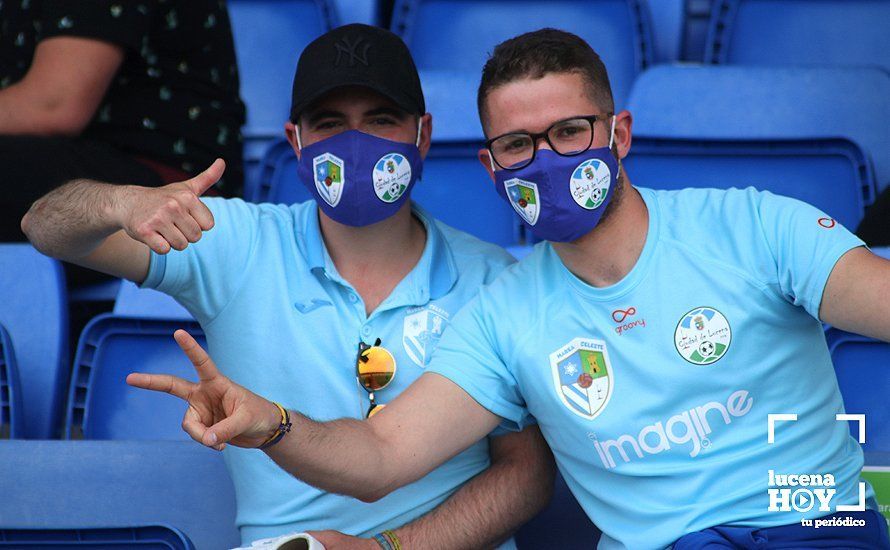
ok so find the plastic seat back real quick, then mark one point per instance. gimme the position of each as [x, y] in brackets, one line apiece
[34, 310]
[100, 403]
[10, 394]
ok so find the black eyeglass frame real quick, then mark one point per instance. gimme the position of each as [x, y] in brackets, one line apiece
[535, 137]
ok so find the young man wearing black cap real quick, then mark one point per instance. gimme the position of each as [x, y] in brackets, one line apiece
[716, 422]
[360, 279]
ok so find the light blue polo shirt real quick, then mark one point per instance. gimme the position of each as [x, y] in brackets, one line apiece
[282, 322]
[654, 393]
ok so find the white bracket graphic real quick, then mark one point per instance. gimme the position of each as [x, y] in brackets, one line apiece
[860, 418]
[857, 508]
[771, 420]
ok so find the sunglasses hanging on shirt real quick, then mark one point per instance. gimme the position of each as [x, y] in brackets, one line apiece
[375, 369]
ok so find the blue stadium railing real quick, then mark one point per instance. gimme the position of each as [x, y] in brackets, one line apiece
[34, 310]
[89, 485]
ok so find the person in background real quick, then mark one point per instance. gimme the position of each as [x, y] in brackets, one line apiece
[141, 91]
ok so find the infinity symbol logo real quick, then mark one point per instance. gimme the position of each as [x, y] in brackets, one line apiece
[619, 315]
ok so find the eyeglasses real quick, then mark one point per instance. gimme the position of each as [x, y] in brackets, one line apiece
[567, 137]
[375, 367]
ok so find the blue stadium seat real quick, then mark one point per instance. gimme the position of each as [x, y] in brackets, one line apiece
[35, 313]
[668, 23]
[448, 37]
[279, 182]
[10, 394]
[862, 366]
[100, 403]
[767, 103]
[695, 29]
[832, 175]
[147, 303]
[455, 189]
[563, 524]
[87, 485]
[269, 36]
[153, 537]
[358, 11]
[799, 32]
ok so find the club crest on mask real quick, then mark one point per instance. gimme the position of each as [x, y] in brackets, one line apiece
[329, 179]
[524, 199]
[589, 183]
[392, 174]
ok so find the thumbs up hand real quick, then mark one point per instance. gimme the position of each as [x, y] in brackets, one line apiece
[171, 216]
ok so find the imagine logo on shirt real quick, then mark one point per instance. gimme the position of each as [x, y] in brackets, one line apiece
[695, 431]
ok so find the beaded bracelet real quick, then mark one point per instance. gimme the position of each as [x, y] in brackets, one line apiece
[283, 428]
[388, 540]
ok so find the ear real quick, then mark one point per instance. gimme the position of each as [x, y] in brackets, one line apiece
[290, 130]
[623, 132]
[485, 159]
[426, 133]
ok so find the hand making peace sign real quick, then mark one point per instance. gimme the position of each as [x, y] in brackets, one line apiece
[220, 411]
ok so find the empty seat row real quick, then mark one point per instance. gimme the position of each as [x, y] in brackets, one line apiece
[453, 37]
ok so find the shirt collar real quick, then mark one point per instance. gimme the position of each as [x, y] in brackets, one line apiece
[433, 277]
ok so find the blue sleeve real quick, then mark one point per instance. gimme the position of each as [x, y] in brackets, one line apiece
[206, 275]
[468, 355]
[805, 244]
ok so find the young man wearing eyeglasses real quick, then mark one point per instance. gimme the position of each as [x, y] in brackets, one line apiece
[283, 290]
[662, 429]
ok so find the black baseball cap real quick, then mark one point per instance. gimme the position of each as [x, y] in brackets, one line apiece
[357, 55]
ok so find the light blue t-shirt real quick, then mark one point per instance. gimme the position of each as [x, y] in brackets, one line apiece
[281, 321]
[654, 393]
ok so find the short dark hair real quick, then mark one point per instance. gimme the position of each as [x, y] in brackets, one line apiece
[538, 53]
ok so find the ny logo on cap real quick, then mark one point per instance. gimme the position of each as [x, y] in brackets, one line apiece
[357, 51]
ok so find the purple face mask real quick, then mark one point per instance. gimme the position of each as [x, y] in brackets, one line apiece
[559, 198]
[358, 179]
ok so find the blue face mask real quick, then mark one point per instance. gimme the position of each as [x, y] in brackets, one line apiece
[358, 179]
[560, 198]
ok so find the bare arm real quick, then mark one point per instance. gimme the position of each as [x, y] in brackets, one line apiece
[427, 424]
[857, 295]
[110, 228]
[490, 507]
[63, 88]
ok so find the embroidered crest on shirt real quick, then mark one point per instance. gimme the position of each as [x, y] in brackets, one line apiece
[703, 336]
[421, 332]
[582, 376]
